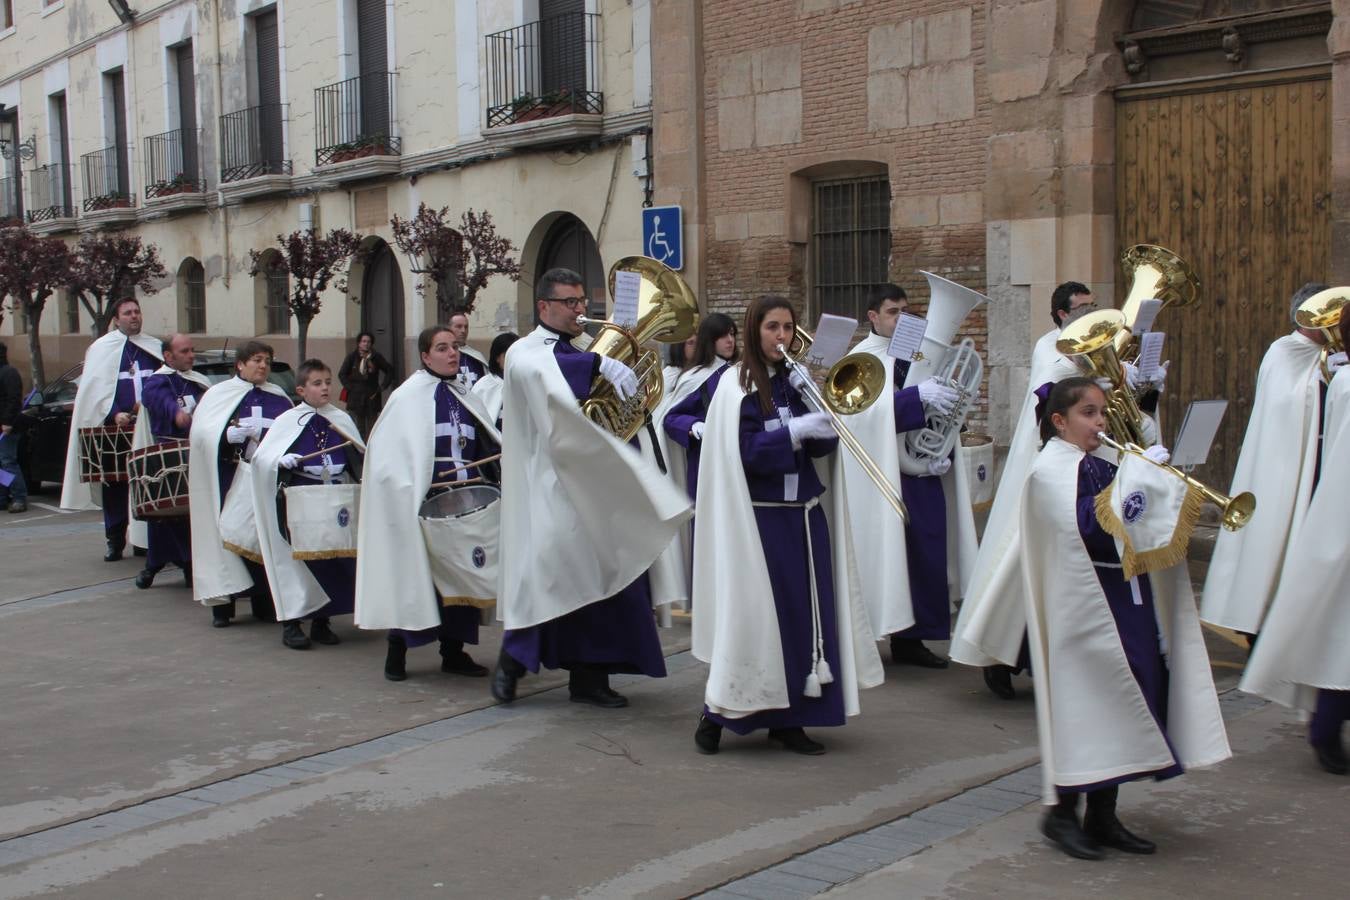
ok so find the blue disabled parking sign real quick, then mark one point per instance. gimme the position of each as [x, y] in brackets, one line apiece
[663, 235]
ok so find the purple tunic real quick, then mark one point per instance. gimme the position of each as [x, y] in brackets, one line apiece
[257, 405]
[162, 398]
[133, 369]
[470, 370]
[682, 416]
[337, 577]
[617, 634]
[776, 473]
[1136, 620]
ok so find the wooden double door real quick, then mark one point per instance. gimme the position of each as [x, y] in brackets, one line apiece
[1235, 176]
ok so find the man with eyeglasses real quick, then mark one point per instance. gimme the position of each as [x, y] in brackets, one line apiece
[583, 515]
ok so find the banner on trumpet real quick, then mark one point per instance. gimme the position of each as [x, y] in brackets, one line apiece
[1151, 513]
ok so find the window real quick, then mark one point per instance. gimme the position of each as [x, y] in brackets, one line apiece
[115, 132]
[271, 288]
[6, 14]
[70, 308]
[851, 243]
[59, 192]
[192, 296]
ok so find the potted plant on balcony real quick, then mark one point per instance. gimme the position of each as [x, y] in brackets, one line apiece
[525, 108]
[179, 184]
[115, 201]
[559, 103]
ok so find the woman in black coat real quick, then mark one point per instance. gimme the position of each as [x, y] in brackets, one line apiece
[365, 376]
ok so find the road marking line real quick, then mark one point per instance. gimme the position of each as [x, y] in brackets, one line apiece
[55, 509]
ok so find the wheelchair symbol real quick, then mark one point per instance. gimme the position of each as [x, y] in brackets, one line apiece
[658, 239]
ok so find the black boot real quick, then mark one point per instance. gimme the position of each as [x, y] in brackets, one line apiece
[1331, 757]
[911, 652]
[1100, 824]
[592, 687]
[456, 662]
[222, 614]
[708, 736]
[795, 739]
[320, 632]
[138, 551]
[1060, 825]
[504, 678]
[998, 679]
[293, 636]
[117, 542]
[396, 660]
[187, 575]
[147, 577]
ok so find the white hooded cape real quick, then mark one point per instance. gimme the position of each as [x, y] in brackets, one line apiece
[93, 401]
[583, 514]
[992, 620]
[488, 390]
[393, 576]
[216, 572]
[295, 591]
[1304, 638]
[736, 623]
[1279, 453]
[1092, 719]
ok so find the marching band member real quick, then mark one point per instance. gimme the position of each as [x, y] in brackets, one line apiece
[472, 366]
[229, 422]
[1300, 660]
[1277, 463]
[306, 442]
[583, 515]
[682, 421]
[115, 368]
[908, 595]
[431, 424]
[1124, 689]
[779, 621]
[488, 389]
[168, 399]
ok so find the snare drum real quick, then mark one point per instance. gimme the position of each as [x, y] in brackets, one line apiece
[321, 519]
[103, 453]
[238, 527]
[159, 480]
[460, 528]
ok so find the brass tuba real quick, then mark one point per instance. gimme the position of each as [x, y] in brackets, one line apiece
[1153, 273]
[1091, 342]
[1323, 311]
[667, 313]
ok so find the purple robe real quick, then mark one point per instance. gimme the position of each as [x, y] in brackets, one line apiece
[1333, 708]
[617, 634]
[337, 577]
[134, 369]
[255, 401]
[163, 397]
[776, 473]
[682, 416]
[1136, 621]
[470, 370]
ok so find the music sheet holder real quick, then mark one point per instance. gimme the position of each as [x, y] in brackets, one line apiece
[1198, 429]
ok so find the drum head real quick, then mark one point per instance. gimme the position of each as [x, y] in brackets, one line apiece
[459, 501]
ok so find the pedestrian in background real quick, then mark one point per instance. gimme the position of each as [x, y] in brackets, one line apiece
[13, 490]
[365, 376]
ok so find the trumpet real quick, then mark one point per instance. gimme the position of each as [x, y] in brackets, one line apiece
[1235, 511]
[852, 384]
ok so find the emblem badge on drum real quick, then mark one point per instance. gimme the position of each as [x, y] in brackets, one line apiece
[479, 558]
[1134, 506]
[981, 473]
[344, 517]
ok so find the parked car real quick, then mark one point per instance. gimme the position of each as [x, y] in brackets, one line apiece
[45, 419]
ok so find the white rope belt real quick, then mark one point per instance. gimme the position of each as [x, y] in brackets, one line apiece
[820, 669]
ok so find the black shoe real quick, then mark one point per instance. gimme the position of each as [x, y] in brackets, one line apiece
[221, 615]
[601, 697]
[462, 663]
[905, 651]
[505, 676]
[18, 506]
[293, 636]
[1106, 830]
[1065, 832]
[321, 633]
[795, 739]
[999, 680]
[138, 551]
[396, 661]
[1331, 757]
[707, 736]
[114, 551]
[147, 577]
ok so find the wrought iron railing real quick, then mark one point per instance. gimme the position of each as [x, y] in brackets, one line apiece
[11, 207]
[172, 164]
[49, 193]
[355, 118]
[543, 69]
[251, 143]
[106, 185]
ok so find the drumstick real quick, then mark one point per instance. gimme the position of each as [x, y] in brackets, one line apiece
[469, 465]
[441, 484]
[323, 451]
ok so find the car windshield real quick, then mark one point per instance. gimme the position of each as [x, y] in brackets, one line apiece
[62, 389]
[281, 374]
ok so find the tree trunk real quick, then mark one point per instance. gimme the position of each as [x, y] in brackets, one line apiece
[35, 367]
[302, 326]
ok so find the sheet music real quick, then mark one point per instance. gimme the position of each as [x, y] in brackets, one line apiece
[908, 336]
[1148, 311]
[1150, 354]
[1198, 428]
[627, 291]
[833, 336]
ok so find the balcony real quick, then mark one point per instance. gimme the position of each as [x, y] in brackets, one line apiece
[252, 150]
[354, 126]
[50, 208]
[107, 189]
[173, 173]
[543, 81]
[11, 207]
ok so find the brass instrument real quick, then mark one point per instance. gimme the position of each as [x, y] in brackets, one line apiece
[667, 313]
[1090, 342]
[1153, 273]
[1237, 511]
[1323, 311]
[851, 385]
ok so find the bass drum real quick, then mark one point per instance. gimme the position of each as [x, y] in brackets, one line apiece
[461, 528]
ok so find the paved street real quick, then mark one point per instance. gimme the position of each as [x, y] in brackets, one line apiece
[148, 755]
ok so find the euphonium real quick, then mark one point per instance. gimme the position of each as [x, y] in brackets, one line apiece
[667, 313]
[1323, 311]
[957, 364]
[1090, 341]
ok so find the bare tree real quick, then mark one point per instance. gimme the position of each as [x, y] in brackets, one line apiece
[315, 263]
[32, 268]
[108, 267]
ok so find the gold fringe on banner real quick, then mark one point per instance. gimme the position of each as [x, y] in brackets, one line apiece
[1135, 563]
[240, 551]
[346, 553]
[475, 602]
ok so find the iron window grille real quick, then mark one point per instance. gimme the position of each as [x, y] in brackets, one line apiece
[851, 243]
[105, 182]
[49, 194]
[194, 299]
[70, 305]
[278, 309]
[355, 118]
[251, 143]
[171, 165]
[543, 69]
[11, 207]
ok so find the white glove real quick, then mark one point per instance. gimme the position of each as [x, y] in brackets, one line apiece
[798, 378]
[939, 467]
[289, 461]
[238, 434]
[811, 426]
[1106, 384]
[1158, 454]
[1160, 379]
[1335, 361]
[696, 431]
[623, 379]
[1132, 378]
[938, 396]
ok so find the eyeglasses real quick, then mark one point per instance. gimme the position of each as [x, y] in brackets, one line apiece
[572, 302]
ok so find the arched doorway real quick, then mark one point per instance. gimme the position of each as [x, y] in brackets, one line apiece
[568, 243]
[382, 303]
